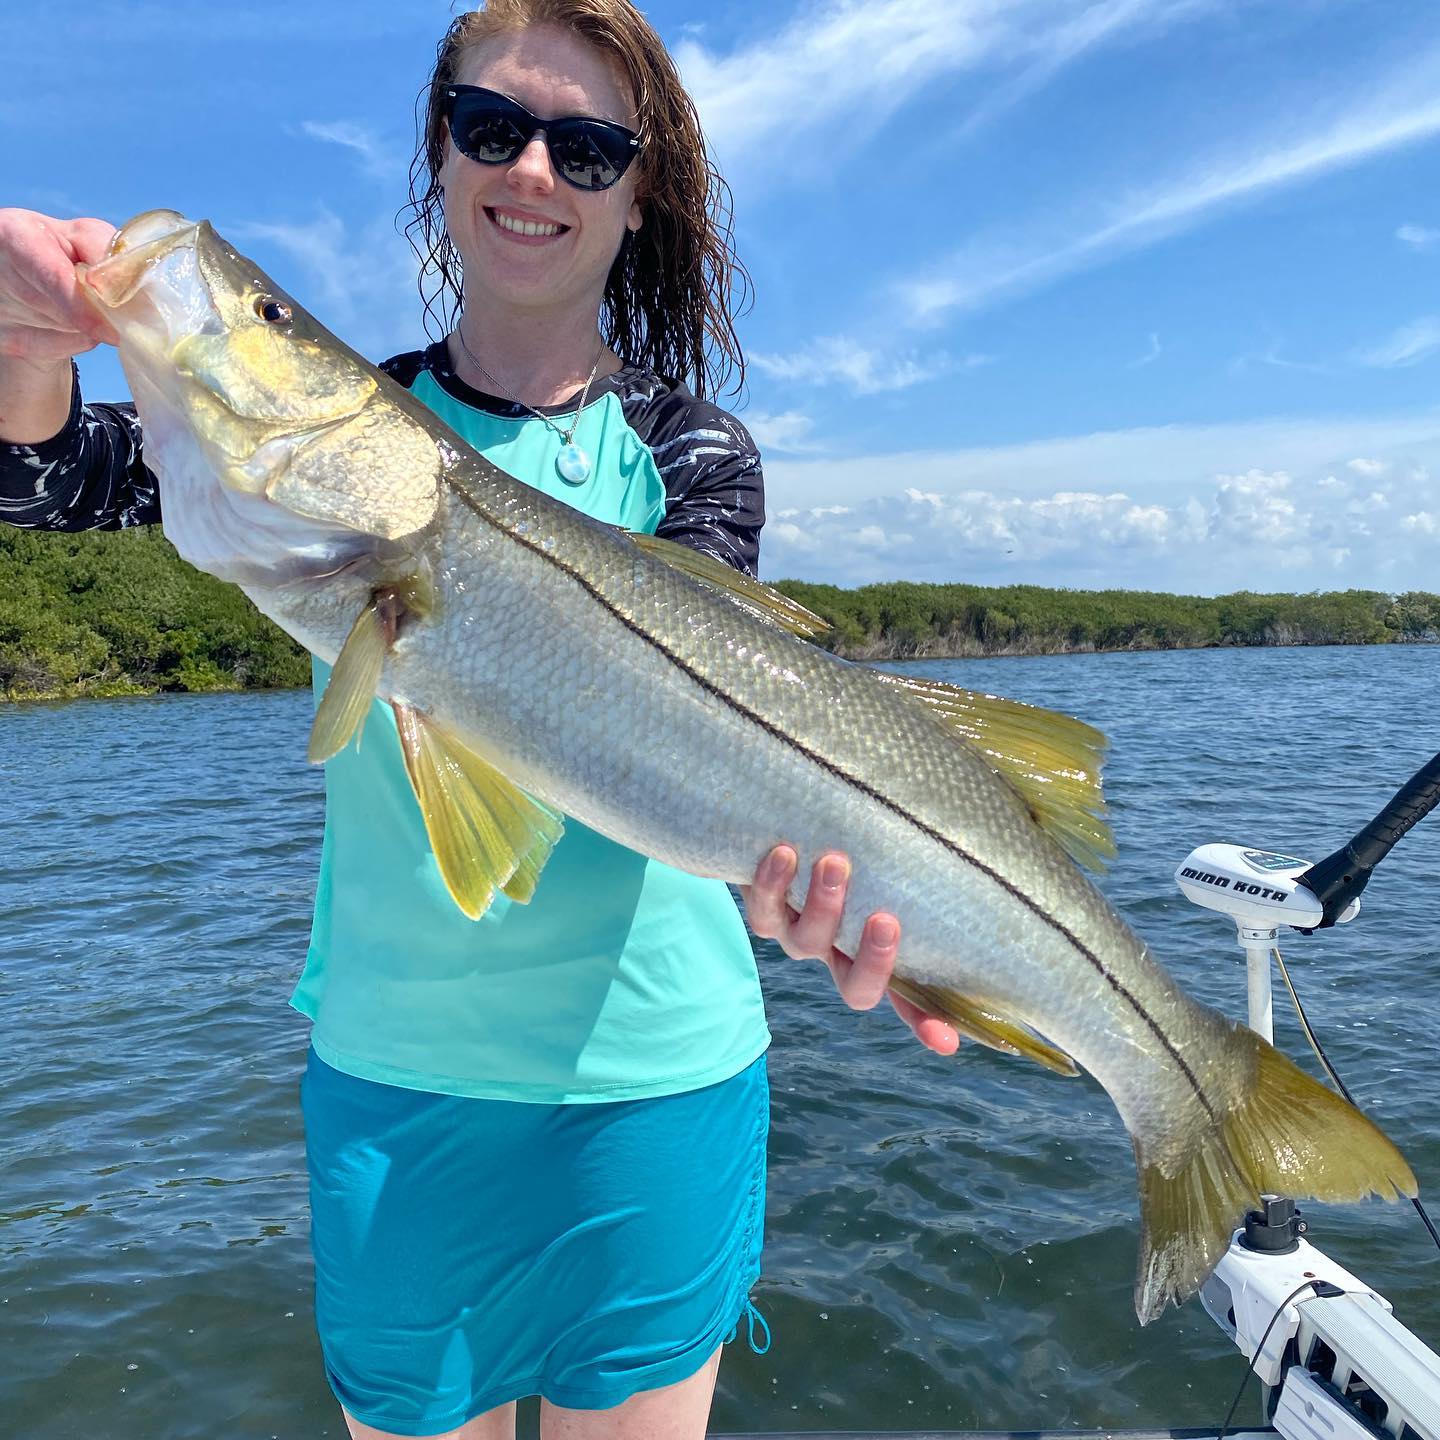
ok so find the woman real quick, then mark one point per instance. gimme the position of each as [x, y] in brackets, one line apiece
[536, 1143]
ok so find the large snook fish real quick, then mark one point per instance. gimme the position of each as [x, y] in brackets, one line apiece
[515, 638]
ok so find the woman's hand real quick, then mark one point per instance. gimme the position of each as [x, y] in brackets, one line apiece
[44, 319]
[810, 935]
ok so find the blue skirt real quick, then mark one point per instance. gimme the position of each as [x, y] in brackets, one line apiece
[469, 1252]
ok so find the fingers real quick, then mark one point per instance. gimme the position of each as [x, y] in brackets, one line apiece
[767, 911]
[43, 316]
[88, 239]
[812, 935]
[862, 981]
[933, 1033]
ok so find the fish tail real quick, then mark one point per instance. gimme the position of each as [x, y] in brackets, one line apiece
[1287, 1135]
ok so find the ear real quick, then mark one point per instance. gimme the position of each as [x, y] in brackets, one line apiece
[636, 218]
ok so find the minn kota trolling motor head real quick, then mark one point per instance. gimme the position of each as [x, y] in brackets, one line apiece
[1262, 891]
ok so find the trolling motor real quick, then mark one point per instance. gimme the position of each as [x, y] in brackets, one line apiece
[1263, 891]
[1333, 1361]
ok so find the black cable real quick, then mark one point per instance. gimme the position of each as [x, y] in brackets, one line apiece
[1324, 1290]
[1334, 1075]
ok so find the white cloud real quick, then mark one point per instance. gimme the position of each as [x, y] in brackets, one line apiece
[1160, 509]
[377, 157]
[1403, 111]
[1409, 345]
[841, 360]
[759, 102]
[1149, 357]
[789, 432]
[1418, 237]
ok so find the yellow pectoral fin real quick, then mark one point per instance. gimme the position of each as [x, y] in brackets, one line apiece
[1053, 760]
[750, 595]
[487, 835]
[346, 701]
[972, 1019]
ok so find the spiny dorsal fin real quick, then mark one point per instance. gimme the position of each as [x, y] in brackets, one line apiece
[487, 834]
[1053, 760]
[347, 698]
[982, 1023]
[750, 595]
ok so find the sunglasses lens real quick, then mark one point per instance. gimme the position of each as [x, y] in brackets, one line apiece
[591, 158]
[486, 134]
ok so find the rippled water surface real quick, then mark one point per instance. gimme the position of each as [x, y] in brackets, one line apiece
[951, 1243]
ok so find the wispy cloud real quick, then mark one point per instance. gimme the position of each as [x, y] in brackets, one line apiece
[1149, 357]
[864, 370]
[1405, 111]
[1409, 345]
[1418, 237]
[758, 102]
[378, 157]
[1069, 38]
[790, 433]
[357, 279]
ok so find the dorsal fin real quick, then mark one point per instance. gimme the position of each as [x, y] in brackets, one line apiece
[750, 595]
[1053, 760]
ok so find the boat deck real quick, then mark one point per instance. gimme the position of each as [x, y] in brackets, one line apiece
[1201, 1434]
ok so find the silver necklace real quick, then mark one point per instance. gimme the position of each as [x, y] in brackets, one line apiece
[572, 464]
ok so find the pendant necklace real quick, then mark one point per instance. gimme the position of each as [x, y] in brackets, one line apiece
[572, 464]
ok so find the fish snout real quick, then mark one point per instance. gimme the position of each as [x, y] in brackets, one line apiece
[146, 286]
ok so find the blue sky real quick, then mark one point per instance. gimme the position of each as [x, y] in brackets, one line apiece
[1138, 293]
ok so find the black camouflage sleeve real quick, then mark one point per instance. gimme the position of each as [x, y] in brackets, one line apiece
[90, 476]
[711, 471]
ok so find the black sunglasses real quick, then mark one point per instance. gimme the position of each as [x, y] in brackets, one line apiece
[493, 129]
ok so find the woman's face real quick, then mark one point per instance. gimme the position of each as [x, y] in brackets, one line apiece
[552, 74]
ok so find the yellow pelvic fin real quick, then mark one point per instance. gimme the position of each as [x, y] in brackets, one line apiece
[347, 698]
[487, 835]
[977, 1022]
[1053, 760]
[1288, 1135]
[750, 595]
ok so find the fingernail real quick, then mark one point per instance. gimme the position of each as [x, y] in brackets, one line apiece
[833, 873]
[884, 931]
[776, 869]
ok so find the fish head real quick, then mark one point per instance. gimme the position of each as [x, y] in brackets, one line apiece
[279, 451]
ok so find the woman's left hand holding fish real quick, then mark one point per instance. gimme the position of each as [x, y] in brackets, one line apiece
[809, 934]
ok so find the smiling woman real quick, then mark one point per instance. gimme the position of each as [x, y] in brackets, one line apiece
[536, 1142]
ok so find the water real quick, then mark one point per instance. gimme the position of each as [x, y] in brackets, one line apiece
[951, 1243]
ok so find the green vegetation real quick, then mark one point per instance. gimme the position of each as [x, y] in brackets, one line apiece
[899, 621]
[120, 613]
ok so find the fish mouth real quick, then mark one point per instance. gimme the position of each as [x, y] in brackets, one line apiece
[151, 287]
[134, 249]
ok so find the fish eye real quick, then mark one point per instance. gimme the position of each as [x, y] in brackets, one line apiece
[273, 311]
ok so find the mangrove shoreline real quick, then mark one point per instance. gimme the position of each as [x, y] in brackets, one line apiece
[119, 613]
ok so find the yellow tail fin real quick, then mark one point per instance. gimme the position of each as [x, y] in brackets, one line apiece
[1288, 1136]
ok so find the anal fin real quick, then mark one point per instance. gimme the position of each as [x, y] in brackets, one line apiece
[979, 1023]
[486, 833]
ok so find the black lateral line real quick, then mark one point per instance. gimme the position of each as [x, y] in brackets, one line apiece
[878, 796]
